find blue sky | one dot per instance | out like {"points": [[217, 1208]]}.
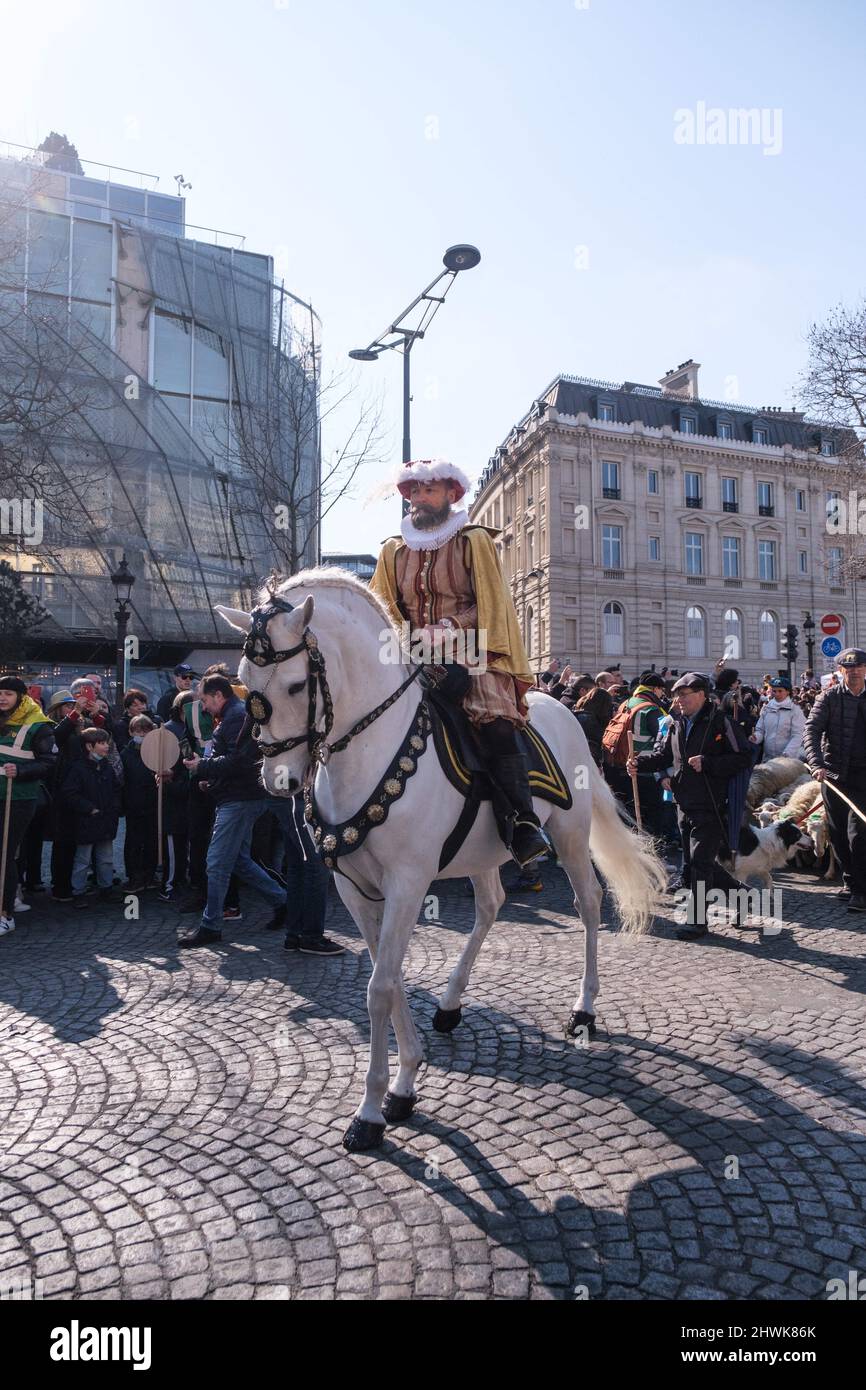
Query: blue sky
{"points": [[357, 139]]}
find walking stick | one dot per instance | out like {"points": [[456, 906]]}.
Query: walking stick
{"points": [[634, 782], [6, 814], [846, 799]]}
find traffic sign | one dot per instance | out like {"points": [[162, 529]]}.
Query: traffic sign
{"points": [[831, 623], [831, 646]]}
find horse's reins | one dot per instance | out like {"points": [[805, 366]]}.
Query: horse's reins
{"points": [[260, 650]]}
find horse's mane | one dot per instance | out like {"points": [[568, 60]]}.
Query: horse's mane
{"points": [[330, 577]]}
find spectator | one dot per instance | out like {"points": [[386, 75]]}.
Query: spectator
{"points": [[594, 710], [134, 703], [140, 850], [233, 775], [781, 724], [70, 749], [26, 759], [835, 742], [183, 679], [701, 753], [91, 791]]}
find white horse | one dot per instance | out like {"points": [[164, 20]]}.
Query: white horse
{"points": [[388, 875]]}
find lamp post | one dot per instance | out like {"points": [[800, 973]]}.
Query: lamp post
{"points": [[123, 580], [809, 628], [456, 258]]}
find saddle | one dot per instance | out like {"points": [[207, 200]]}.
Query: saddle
{"points": [[461, 760]]}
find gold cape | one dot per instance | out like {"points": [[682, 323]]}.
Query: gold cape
{"points": [[496, 615]]}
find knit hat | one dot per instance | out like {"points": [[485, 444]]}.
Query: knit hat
{"points": [[726, 680], [428, 471], [13, 683]]}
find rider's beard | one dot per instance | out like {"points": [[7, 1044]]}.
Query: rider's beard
{"points": [[426, 517]]}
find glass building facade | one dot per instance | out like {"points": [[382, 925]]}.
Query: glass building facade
{"points": [[160, 344]]}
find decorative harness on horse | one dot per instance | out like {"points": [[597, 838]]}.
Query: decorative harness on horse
{"points": [[333, 840]]}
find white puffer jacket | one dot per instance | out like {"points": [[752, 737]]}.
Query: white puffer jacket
{"points": [[780, 727]]}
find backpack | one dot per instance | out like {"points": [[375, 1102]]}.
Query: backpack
{"points": [[615, 737]]}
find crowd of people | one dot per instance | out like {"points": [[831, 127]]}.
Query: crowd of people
{"points": [[75, 778], [672, 746], [669, 745]]}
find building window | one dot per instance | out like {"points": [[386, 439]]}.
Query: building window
{"points": [[827, 448], [801, 499], [730, 495], [731, 557], [567, 540], [694, 552], [606, 412], [733, 635], [832, 508], [759, 434], [766, 506], [655, 548], [769, 636], [611, 547], [725, 429], [172, 367], [694, 495], [696, 632], [612, 630], [688, 424], [528, 628], [571, 635], [610, 479], [803, 561], [835, 558], [767, 561], [652, 481]]}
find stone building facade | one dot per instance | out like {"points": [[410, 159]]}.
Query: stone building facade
{"points": [[643, 525]]}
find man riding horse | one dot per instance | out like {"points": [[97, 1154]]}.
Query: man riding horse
{"points": [[442, 576]]}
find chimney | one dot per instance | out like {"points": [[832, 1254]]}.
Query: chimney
{"points": [[682, 380]]}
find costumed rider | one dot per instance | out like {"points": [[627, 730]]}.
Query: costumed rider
{"points": [[441, 575]]}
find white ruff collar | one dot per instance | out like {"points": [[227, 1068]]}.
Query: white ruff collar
{"points": [[435, 538]]}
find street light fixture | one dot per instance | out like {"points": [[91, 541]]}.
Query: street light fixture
{"points": [[123, 580], [456, 258]]}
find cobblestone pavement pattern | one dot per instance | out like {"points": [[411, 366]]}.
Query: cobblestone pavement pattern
{"points": [[171, 1122]]}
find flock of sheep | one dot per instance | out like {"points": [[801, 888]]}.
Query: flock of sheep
{"points": [[783, 789]]}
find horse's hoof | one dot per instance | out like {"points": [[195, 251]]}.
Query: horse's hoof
{"points": [[580, 1019], [398, 1108], [446, 1020], [363, 1135]]}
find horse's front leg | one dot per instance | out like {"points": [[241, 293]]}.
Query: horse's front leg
{"points": [[384, 996], [489, 897]]}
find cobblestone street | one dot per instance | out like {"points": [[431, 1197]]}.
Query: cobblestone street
{"points": [[171, 1121]]}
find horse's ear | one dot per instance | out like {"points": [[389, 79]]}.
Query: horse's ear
{"points": [[235, 617], [307, 611]]}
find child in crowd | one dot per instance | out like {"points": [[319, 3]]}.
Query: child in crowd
{"points": [[91, 791]]}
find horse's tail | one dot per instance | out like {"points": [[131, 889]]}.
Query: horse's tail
{"points": [[634, 873]]}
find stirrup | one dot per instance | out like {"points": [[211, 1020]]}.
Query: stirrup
{"points": [[535, 858]]}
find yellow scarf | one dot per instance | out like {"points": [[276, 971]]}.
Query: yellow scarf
{"points": [[27, 711]]}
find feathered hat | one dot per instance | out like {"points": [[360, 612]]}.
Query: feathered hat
{"points": [[427, 471]]}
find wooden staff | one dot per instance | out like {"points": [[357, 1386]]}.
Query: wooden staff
{"points": [[634, 782], [846, 799], [159, 781], [4, 856]]}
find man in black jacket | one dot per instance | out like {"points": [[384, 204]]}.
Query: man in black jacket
{"points": [[700, 754], [233, 776], [835, 744]]}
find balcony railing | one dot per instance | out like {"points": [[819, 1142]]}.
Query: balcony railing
{"points": [[730, 506], [769, 584], [612, 492], [734, 583], [696, 502], [613, 574], [695, 579], [768, 510]]}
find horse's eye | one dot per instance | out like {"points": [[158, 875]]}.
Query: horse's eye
{"points": [[296, 688]]}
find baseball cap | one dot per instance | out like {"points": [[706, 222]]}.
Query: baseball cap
{"points": [[780, 683], [183, 670]]}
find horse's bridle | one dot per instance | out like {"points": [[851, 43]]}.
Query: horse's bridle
{"points": [[260, 650]]}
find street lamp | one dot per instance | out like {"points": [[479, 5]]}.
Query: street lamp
{"points": [[123, 580], [809, 628], [456, 258]]}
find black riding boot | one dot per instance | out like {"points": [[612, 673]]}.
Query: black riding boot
{"points": [[527, 842]]}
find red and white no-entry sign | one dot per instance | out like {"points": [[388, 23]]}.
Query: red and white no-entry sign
{"points": [[831, 623]]}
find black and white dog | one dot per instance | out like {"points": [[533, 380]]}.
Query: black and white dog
{"points": [[762, 849]]}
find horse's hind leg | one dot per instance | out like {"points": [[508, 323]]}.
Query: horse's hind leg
{"points": [[489, 897], [574, 857]]}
